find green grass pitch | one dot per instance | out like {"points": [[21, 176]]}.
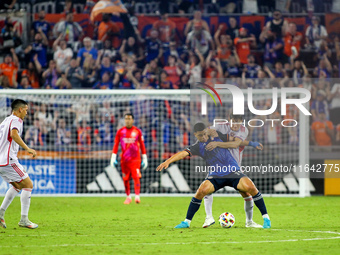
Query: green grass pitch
{"points": [[103, 225]]}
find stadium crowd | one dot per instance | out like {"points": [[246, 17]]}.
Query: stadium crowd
{"points": [[62, 57]]}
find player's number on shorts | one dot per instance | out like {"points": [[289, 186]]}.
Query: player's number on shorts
{"points": [[1, 131]]}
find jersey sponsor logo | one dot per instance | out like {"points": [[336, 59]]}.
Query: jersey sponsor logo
{"points": [[129, 140]]}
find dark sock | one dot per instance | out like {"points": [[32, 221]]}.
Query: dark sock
{"points": [[259, 202], [193, 208]]}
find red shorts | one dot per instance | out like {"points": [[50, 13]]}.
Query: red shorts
{"points": [[131, 169]]}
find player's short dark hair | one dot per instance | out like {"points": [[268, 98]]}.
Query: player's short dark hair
{"points": [[17, 103], [199, 127], [129, 114], [236, 117]]}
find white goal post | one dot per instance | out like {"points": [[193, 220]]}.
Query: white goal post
{"points": [[73, 130]]}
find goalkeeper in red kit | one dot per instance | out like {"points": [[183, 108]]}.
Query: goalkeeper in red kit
{"points": [[131, 140]]}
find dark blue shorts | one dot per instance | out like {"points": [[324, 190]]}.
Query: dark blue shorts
{"points": [[231, 180]]}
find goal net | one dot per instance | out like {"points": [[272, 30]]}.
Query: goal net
{"points": [[73, 133]]}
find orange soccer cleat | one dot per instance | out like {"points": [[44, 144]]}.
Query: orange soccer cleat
{"points": [[127, 201]]}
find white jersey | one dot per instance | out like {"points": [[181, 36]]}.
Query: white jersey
{"points": [[242, 133], [9, 148]]}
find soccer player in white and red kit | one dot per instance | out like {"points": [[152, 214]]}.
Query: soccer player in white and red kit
{"points": [[131, 141], [11, 170]]}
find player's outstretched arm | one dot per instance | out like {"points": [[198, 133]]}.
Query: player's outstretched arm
{"points": [[16, 137], [255, 145], [178, 156]]}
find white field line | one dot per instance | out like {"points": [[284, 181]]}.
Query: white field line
{"points": [[179, 243]]}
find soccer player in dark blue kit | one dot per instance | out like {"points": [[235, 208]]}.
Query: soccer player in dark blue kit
{"points": [[224, 171]]}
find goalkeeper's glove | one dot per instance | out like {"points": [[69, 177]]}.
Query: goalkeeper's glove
{"points": [[114, 162], [144, 162], [254, 144]]}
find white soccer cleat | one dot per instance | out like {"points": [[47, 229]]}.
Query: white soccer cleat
{"points": [[252, 224], [27, 224], [208, 222]]}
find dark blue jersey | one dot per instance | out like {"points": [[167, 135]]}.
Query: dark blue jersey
{"points": [[219, 161]]}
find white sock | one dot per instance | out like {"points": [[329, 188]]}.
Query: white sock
{"points": [[265, 216], [248, 208], [25, 202], [129, 196], [208, 201], [137, 197], [189, 221], [10, 195]]}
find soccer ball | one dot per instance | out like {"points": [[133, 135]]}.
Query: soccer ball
{"points": [[227, 220]]}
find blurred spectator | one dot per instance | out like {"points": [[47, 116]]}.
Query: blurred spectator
{"points": [[107, 29], [233, 69], [9, 69], [164, 82], [84, 136], [10, 34], [24, 83], [74, 74], [62, 55], [233, 28], [70, 30], [173, 71], [184, 82], [89, 70], [51, 75], [227, 6], [315, 33], [242, 45], [200, 39], [195, 66], [299, 71], [273, 47], [63, 83], [322, 131], [278, 71], [292, 41], [130, 48], [104, 65], [39, 47], [7, 4], [213, 68], [153, 47], [223, 46], [152, 71], [172, 50], [63, 135], [88, 49], [104, 82], [197, 20], [42, 24], [335, 104], [282, 5], [320, 105], [166, 28], [68, 8], [36, 134], [277, 25], [251, 69], [250, 6], [45, 117], [324, 68], [33, 72], [108, 50]]}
